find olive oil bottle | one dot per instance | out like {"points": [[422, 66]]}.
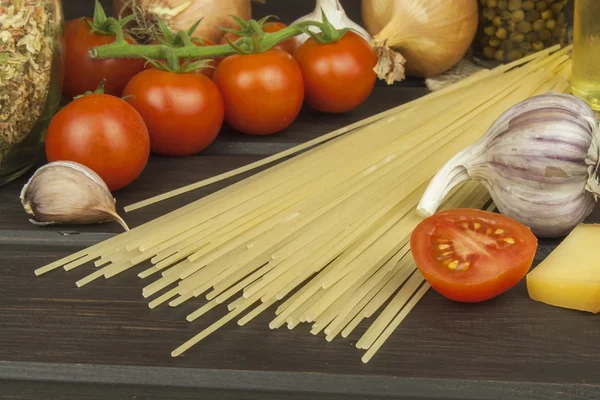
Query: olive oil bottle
{"points": [[585, 75]]}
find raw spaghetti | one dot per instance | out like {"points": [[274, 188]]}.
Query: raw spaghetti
{"points": [[324, 235]]}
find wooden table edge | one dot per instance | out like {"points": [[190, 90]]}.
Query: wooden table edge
{"points": [[291, 382]]}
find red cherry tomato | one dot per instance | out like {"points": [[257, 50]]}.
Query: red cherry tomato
{"points": [[472, 255], [263, 92], [289, 46], [183, 112], [338, 76], [209, 70], [105, 134], [84, 74]]}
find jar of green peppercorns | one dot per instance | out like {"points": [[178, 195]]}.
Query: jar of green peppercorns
{"points": [[511, 29]]}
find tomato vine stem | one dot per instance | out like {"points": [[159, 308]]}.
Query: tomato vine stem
{"points": [[176, 46], [123, 49], [103, 25]]}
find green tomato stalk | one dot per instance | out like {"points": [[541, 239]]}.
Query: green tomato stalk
{"points": [[328, 34], [176, 46], [171, 39], [99, 90], [103, 25]]}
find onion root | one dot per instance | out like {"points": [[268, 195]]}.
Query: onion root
{"points": [[390, 66]]}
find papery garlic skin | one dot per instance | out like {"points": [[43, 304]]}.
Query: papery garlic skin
{"points": [[337, 17], [538, 161], [65, 192]]}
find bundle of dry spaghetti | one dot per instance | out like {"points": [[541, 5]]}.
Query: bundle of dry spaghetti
{"points": [[324, 233]]}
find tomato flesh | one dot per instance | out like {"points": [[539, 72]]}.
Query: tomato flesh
{"points": [[472, 255]]}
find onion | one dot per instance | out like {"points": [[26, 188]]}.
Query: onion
{"points": [[432, 35], [182, 14], [377, 14]]}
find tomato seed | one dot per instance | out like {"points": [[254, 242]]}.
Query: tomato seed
{"points": [[464, 266]]}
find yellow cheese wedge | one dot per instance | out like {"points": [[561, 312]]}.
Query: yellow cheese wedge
{"points": [[570, 276]]}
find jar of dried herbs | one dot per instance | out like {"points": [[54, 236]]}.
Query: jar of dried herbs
{"points": [[31, 65], [511, 29]]}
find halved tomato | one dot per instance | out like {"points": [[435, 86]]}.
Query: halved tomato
{"points": [[472, 255]]}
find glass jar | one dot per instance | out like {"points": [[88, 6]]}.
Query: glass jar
{"points": [[511, 29], [31, 69]]}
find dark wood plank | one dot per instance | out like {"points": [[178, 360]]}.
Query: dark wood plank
{"points": [[27, 390], [511, 338], [310, 124], [161, 175], [105, 342], [181, 383]]}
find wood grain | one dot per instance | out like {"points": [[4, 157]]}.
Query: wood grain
{"points": [[102, 341], [511, 338], [166, 173], [181, 382], [161, 174], [26, 390]]}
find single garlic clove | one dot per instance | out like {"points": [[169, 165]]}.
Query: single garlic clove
{"points": [[65, 192]]}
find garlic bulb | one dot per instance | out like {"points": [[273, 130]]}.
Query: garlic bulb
{"points": [[432, 35], [182, 15], [335, 14], [539, 161], [65, 192]]}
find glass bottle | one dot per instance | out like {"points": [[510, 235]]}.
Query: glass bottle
{"points": [[585, 75], [31, 69]]}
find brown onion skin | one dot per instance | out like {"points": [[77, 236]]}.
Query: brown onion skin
{"points": [[376, 15], [431, 35], [215, 14]]}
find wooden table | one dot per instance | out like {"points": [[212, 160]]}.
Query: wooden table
{"points": [[103, 342]]}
